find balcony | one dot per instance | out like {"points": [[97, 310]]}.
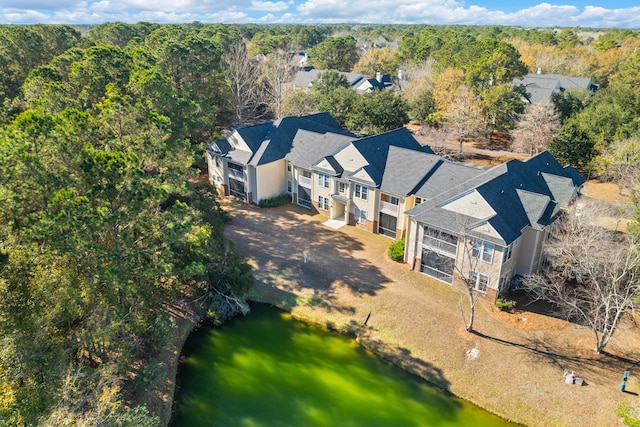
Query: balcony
{"points": [[304, 181], [388, 208], [439, 245]]}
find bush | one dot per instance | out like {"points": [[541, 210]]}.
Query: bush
{"points": [[272, 202], [506, 304], [396, 251]]}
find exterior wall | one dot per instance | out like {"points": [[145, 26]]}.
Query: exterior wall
{"points": [[271, 180], [369, 205], [466, 262], [413, 243], [530, 251], [459, 283], [216, 173], [318, 190]]}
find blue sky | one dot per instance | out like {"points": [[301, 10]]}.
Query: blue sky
{"points": [[526, 13]]}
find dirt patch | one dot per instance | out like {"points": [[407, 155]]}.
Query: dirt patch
{"points": [[512, 365], [604, 191]]}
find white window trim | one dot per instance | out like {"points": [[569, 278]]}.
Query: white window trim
{"points": [[481, 250], [360, 192], [361, 215], [323, 180], [475, 277]]}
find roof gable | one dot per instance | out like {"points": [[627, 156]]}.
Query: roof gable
{"points": [[362, 176], [471, 204]]}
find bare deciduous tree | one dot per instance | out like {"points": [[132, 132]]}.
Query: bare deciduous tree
{"points": [[247, 97], [591, 275], [537, 126], [464, 115], [276, 78]]}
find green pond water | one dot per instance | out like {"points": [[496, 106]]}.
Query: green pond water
{"points": [[268, 369]]}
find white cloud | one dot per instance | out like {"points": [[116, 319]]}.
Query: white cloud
{"points": [[269, 6], [17, 16], [312, 11], [186, 6]]}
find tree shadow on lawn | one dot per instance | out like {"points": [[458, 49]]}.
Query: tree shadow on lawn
{"points": [[568, 360], [527, 303], [292, 250]]}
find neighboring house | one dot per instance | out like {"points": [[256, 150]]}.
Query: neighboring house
{"points": [[359, 82], [492, 226], [541, 87]]}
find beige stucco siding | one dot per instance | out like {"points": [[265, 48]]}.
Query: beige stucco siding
{"points": [[216, 173], [270, 180], [529, 251]]}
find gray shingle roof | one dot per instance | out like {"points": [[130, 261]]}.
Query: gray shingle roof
{"points": [[272, 141], [541, 87], [309, 147], [517, 191], [405, 169], [445, 176], [375, 150]]}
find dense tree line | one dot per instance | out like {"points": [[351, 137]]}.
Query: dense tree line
{"points": [[102, 228]]}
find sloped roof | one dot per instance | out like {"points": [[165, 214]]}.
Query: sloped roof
{"points": [[541, 87], [375, 150], [308, 147], [272, 141], [306, 77], [517, 191], [444, 176], [405, 169], [335, 169]]}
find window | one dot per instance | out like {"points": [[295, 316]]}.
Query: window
{"points": [[342, 188], [323, 203], [507, 253], [480, 281], [289, 186], [482, 250], [323, 180], [288, 167], [504, 281], [361, 216], [361, 192], [389, 199], [216, 160]]}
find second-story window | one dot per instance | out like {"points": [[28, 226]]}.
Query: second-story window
{"points": [[323, 180], [482, 250], [360, 192]]}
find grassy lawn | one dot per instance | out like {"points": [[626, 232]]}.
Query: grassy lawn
{"points": [[512, 366]]}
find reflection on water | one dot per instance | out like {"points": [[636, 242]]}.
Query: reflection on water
{"points": [[270, 370]]}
